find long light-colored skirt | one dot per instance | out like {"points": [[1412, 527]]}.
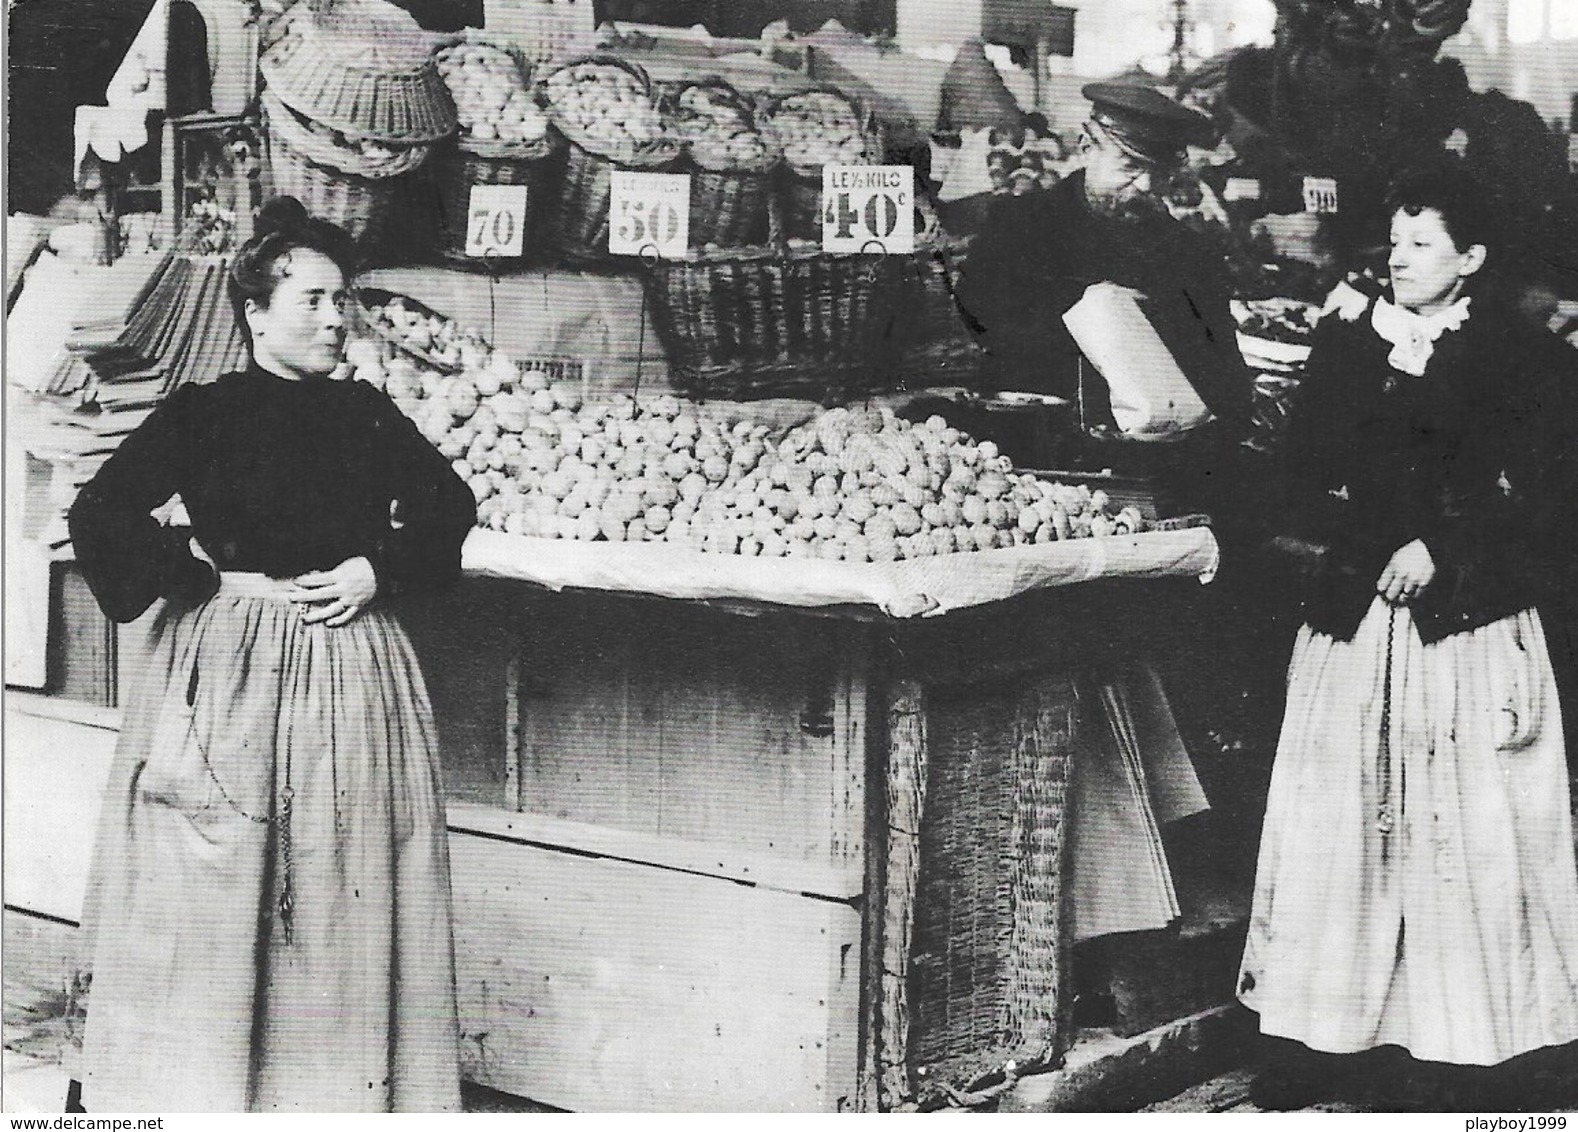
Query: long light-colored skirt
{"points": [[270, 887], [1455, 934]]}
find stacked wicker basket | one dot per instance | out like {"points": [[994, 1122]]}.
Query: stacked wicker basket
{"points": [[353, 103], [608, 112], [731, 164], [504, 139], [813, 128]]}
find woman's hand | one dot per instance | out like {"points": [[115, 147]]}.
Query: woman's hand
{"points": [[338, 596], [1407, 575]]}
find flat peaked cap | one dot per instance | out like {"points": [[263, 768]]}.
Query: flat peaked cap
{"points": [[1146, 120]]}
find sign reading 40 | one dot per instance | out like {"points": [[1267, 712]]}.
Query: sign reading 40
{"points": [[868, 208]]}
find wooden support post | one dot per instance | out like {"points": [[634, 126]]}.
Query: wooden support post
{"points": [[906, 791]]}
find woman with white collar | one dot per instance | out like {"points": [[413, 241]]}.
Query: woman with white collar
{"points": [[1416, 884]]}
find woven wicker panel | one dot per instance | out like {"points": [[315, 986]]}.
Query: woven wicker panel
{"points": [[769, 324], [358, 205], [459, 168], [987, 981], [361, 66]]}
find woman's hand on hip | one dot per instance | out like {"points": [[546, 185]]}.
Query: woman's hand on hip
{"points": [[1407, 575], [338, 596]]}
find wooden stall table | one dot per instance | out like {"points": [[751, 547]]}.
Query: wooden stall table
{"points": [[704, 810]]}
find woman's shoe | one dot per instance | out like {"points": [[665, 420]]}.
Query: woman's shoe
{"points": [[1293, 1076]]}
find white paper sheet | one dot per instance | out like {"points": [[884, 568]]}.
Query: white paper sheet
{"points": [[922, 587]]}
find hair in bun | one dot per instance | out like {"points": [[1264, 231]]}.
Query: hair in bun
{"points": [[281, 214], [282, 225]]}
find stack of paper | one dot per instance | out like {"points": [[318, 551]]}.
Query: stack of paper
{"points": [[1131, 775], [97, 375]]}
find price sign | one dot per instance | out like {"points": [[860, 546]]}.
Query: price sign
{"points": [[496, 220], [1320, 194], [649, 213], [868, 208], [1241, 188]]}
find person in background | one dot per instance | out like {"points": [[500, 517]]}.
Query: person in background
{"points": [[269, 899], [1416, 883], [1106, 222]]}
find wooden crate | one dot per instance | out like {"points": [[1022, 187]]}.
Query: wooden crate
{"points": [[681, 721], [595, 983]]}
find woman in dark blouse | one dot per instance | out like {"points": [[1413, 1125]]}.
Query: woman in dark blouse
{"points": [[270, 890], [1416, 885]]}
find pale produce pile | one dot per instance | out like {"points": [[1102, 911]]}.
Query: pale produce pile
{"points": [[855, 485], [719, 129], [491, 97], [440, 340], [818, 128], [605, 104]]}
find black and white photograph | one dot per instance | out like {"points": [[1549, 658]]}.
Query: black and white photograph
{"points": [[790, 557]]}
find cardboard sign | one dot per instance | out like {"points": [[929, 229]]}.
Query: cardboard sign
{"points": [[649, 214], [1320, 194], [1241, 188], [868, 208], [496, 220]]}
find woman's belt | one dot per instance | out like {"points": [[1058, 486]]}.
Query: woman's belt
{"points": [[245, 583]]}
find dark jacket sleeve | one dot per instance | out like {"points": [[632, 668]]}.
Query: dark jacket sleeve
{"points": [[1495, 527], [1206, 341], [127, 557], [433, 509], [1331, 558]]}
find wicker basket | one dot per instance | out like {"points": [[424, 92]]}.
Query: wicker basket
{"points": [[363, 67], [285, 123], [769, 323], [586, 190], [730, 197], [360, 205], [469, 163], [368, 297], [800, 183], [987, 965], [493, 147]]}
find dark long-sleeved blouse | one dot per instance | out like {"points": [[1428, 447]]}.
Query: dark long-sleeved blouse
{"points": [[279, 477], [1472, 459]]}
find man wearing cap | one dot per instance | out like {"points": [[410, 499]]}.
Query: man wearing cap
{"points": [[1037, 253]]}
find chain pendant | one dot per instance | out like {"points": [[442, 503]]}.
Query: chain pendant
{"points": [[287, 895]]}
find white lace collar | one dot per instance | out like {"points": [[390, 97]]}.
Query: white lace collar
{"points": [[1413, 336]]}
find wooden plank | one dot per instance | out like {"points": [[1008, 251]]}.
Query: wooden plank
{"points": [[598, 985], [908, 754], [82, 661], [684, 722], [55, 771], [833, 881]]}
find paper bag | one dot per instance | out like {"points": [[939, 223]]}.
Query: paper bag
{"points": [[1151, 397]]}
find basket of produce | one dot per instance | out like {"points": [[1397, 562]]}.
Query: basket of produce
{"points": [[731, 164], [504, 137], [416, 330], [813, 128], [305, 164], [770, 322], [362, 67], [607, 110], [935, 345]]}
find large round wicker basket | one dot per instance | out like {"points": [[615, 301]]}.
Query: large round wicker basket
{"points": [[363, 67], [586, 189]]}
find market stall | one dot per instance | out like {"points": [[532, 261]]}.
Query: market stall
{"points": [[758, 716]]}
